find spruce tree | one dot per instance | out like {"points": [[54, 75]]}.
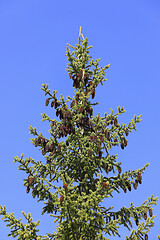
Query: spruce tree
{"points": [[78, 157]]}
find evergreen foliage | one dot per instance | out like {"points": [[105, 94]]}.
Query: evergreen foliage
{"points": [[78, 156]]}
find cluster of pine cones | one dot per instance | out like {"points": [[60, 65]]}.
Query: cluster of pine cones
{"points": [[79, 77], [83, 77], [138, 180], [47, 148]]}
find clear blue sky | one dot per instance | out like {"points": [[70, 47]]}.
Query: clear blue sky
{"points": [[33, 42]]}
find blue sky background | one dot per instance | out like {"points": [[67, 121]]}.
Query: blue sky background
{"points": [[33, 42]]}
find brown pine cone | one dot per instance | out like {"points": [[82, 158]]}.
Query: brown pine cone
{"points": [[47, 101], [146, 236], [145, 216], [150, 212], [65, 186], [61, 199], [105, 185], [116, 122], [30, 180]]}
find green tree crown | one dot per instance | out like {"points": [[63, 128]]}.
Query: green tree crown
{"points": [[78, 155]]}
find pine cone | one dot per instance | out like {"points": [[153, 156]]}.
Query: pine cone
{"points": [[105, 185], [125, 190], [30, 180], [107, 135], [61, 199], [126, 131], [119, 169], [72, 103], [61, 115], [51, 147], [106, 166], [91, 111], [39, 140], [65, 186], [135, 185], [93, 93], [77, 97], [145, 216], [139, 178], [125, 143], [47, 101], [36, 143], [86, 77], [52, 103], [57, 112], [116, 122], [146, 236], [70, 75], [43, 142], [122, 145], [150, 212], [59, 148]]}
